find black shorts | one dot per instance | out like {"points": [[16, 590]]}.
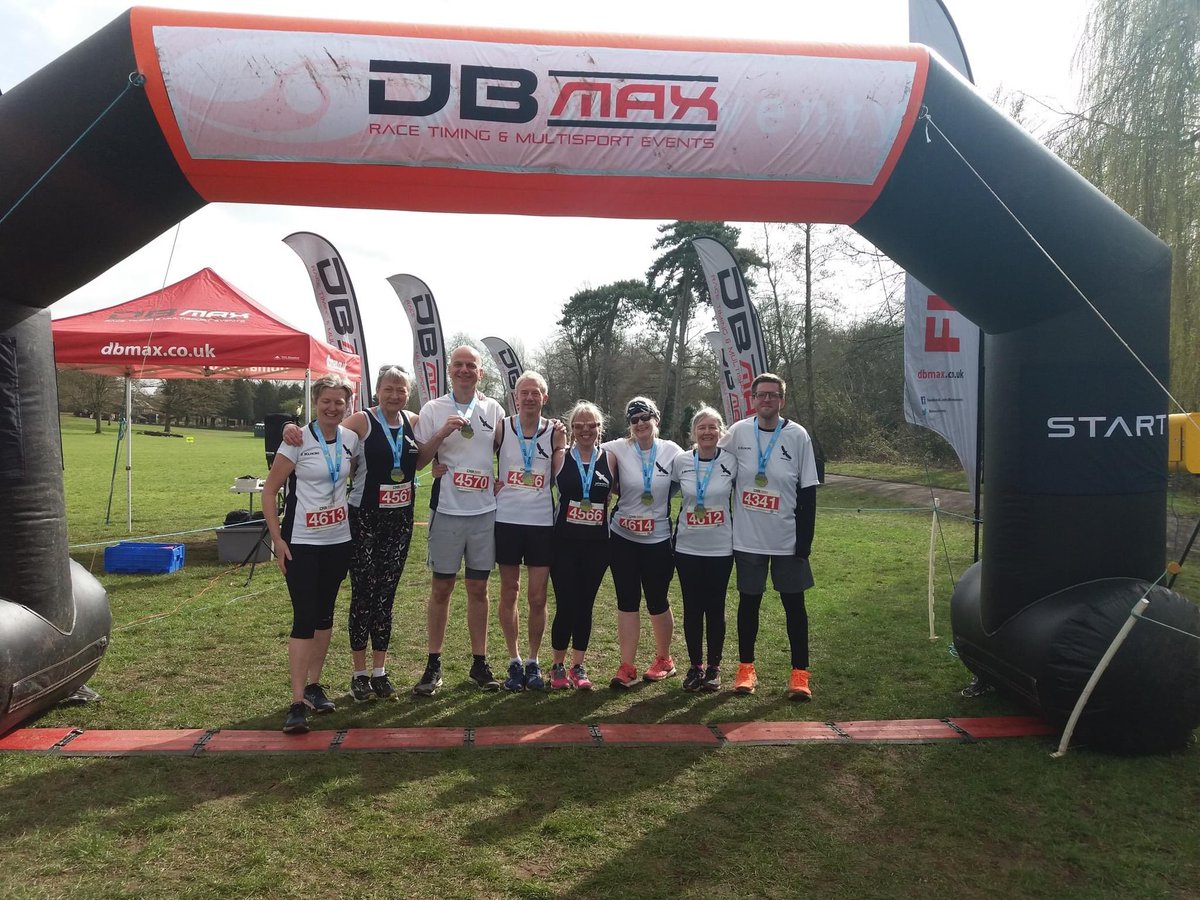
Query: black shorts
{"points": [[529, 545]]}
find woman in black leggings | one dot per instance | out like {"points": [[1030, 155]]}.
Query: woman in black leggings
{"points": [[580, 543], [704, 545]]}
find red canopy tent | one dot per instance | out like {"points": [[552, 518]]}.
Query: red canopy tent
{"points": [[200, 327]]}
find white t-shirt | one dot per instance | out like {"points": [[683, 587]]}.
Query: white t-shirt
{"points": [[710, 534], [519, 503], [764, 516], [467, 488], [315, 510], [630, 518]]}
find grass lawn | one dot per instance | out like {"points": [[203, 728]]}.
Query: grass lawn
{"points": [[200, 648]]}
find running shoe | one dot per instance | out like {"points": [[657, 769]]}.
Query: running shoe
{"points": [[360, 688], [430, 681], [579, 677], [515, 681], [481, 674], [693, 679], [746, 680], [558, 677], [662, 667], [297, 719], [533, 677], [798, 688], [712, 679], [314, 696], [626, 677], [382, 686]]}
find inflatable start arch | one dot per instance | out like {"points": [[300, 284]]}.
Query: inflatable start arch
{"points": [[261, 110]]}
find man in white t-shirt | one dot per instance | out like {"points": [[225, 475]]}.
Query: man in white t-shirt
{"points": [[774, 514], [462, 427]]}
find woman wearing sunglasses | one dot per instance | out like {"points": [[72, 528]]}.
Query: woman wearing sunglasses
{"points": [[640, 540], [580, 557]]}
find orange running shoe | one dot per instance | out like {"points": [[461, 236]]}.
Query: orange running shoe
{"points": [[662, 667], [625, 678], [798, 688], [746, 680]]}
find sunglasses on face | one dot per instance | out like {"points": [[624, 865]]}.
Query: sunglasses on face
{"points": [[585, 426], [638, 420]]}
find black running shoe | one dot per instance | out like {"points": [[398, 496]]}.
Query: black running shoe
{"points": [[360, 689], [481, 674], [712, 679], [430, 681], [694, 679], [382, 686], [315, 697], [297, 719]]}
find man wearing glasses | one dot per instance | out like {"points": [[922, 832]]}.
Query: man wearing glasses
{"points": [[774, 513]]}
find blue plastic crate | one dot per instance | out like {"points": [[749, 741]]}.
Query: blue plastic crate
{"points": [[131, 557]]}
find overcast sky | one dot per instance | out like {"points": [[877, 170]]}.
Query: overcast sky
{"points": [[479, 267]]}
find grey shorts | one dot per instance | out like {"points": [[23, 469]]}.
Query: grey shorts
{"points": [[789, 574], [455, 538]]}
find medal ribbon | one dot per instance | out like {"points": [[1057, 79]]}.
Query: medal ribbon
{"points": [[764, 458], [586, 474], [527, 450], [647, 467], [394, 443], [335, 469], [702, 485], [469, 411]]}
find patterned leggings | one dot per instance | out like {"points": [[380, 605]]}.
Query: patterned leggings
{"points": [[381, 538]]}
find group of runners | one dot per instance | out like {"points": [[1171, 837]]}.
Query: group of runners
{"points": [[544, 495]]}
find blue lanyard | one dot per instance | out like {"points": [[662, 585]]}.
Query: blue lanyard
{"points": [[469, 411], [335, 469], [647, 467], [764, 458], [527, 449], [586, 474], [702, 486], [394, 443]]}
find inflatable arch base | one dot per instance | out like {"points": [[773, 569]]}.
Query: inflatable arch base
{"points": [[1148, 699], [54, 616]]}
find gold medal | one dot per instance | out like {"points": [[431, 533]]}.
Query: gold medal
{"points": [[699, 511], [647, 498], [585, 504], [527, 478], [761, 479], [397, 476], [467, 431]]}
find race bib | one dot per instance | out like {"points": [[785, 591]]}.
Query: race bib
{"points": [[636, 524], [326, 517], [712, 518], [516, 479], [472, 480], [761, 500], [580, 516], [395, 496]]}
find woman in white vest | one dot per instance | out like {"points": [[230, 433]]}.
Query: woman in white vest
{"points": [[704, 545]]}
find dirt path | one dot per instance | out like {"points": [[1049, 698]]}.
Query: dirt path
{"points": [[1179, 527]]}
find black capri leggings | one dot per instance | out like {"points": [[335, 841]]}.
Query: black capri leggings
{"points": [[381, 538], [639, 569], [704, 580], [314, 574], [576, 573]]}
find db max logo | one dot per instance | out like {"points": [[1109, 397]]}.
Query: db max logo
{"points": [[641, 100]]}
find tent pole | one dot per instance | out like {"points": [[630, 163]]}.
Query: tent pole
{"points": [[129, 453], [308, 395]]}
